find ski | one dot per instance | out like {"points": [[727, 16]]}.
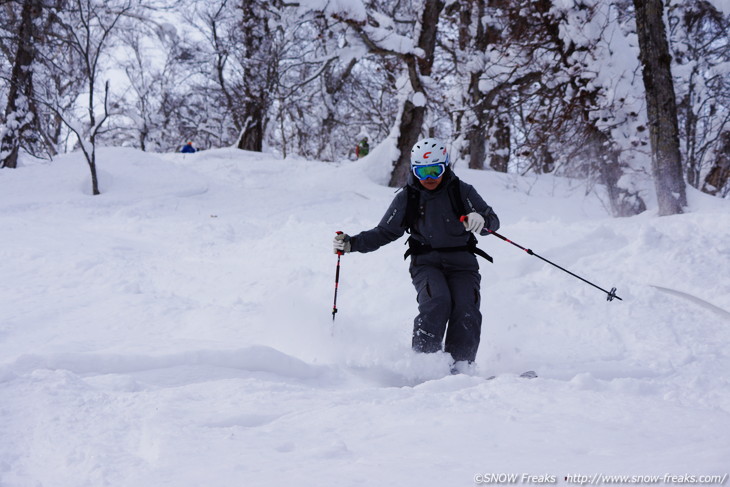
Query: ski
{"points": [[530, 374]]}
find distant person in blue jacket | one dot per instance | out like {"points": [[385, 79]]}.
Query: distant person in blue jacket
{"points": [[188, 148]]}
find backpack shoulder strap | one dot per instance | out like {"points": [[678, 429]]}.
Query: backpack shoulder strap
{"points": [[457, 203], [412, 202]]}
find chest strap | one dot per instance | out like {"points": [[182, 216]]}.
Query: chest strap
{"points": [[417, 248]]}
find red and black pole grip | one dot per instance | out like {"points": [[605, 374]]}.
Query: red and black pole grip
{"points": [[339, 252]]}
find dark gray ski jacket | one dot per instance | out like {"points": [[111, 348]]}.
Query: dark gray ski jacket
{"points": [[437, 224]]}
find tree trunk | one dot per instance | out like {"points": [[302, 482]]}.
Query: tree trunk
{"points": [[477, 137], [411, 120], [252, 133], [474, 38], [661, 106], [717, 179], [94, 179], [261, 70], [500, 145], [621, 201], [409, 131], [19, 115]]}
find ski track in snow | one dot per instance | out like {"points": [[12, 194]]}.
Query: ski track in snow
{"points": [[177, 330], [696, 300]]}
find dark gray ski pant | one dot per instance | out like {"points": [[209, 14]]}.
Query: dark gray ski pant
{"points": [[447, 284]]}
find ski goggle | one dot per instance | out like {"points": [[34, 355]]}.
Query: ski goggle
{"points": [[432, 171]]}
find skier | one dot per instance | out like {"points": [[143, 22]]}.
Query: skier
{"points": [[188, 148], [362, 149], [443, 266]]}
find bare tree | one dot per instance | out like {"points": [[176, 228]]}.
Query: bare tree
{"points": [[700, 47], [87, 27], [483, 122], [153, 107], [326, 97], [245, 62], [379, 34], [414, 108], [661, 106], [260, 64], [20, 116]]}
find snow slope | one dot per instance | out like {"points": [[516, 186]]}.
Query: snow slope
{"points": [[177, 330]]}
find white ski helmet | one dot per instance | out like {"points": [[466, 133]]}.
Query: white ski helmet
{"points": [[429, 151]]}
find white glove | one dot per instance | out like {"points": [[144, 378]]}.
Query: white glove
{"points": [[341, 243], [474, 223]]}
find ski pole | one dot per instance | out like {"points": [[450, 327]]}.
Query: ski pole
{"points": [[610, 294], [337, 282]]}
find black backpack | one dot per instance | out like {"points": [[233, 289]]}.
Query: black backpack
{"points": [[413, 198]]}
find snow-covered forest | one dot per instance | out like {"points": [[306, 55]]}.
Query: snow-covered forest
{"points": [[518, 86]]}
